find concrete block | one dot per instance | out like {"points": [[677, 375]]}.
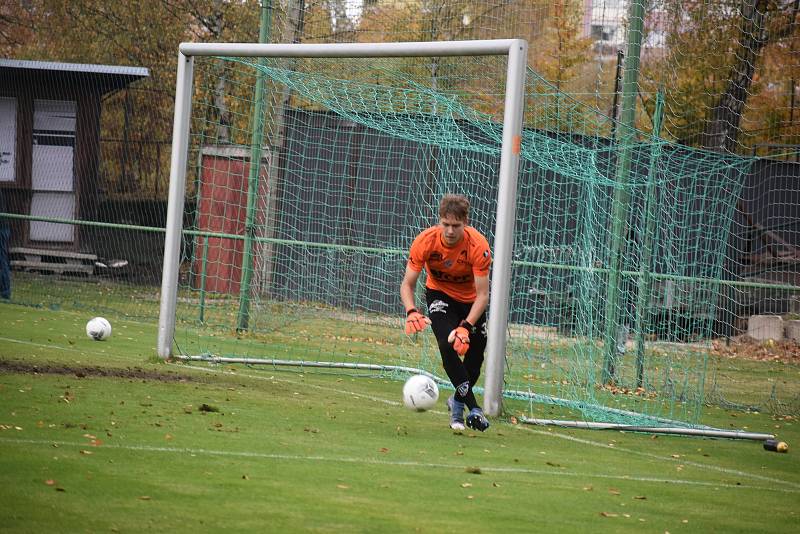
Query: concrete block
{"points": [[763, 327], [792, 330]]}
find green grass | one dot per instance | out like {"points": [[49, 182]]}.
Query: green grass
{"points": [[289, 451], [677, 378]]}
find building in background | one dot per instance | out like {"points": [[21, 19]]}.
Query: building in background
{"points": [[49, 146]]}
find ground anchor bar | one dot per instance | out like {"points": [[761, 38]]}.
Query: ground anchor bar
{"points": [[705, 432]]}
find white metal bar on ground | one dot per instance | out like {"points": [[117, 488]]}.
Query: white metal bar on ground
{"points": [[705, 432], [309, 363], [493, 47]]}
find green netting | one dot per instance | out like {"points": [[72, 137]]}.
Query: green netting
{"points": [[352, 169]]}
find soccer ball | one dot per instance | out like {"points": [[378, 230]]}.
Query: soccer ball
{"points": [[420, 393], [98, 328]]}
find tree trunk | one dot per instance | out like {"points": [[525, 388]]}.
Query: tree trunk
{"points": [[723, 128]]}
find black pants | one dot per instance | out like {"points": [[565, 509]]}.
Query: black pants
{"points": [[445, 313]]}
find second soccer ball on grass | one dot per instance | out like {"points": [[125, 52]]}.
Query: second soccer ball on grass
{"points": [[420, 393], [98, 328]]}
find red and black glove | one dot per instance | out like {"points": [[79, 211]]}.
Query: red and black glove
{"points": [[415, 321], [460, 338]]}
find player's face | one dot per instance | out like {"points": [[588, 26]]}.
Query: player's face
{"points": [[452, 230]]}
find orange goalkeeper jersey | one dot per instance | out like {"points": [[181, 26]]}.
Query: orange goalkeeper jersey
{"points": [[451, 270]]}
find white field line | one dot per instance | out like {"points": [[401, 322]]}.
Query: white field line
{"points": [[559, 435], [390, 463], [680, 461], [42, 345]]}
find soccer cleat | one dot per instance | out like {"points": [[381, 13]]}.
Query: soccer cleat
{"points": [[456, 410], [476, 420]]}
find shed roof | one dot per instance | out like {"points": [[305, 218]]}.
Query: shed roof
{"points": [[139, 72], [105, 77]]}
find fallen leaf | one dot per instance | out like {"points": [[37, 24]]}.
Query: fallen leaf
{"points": [[588, 488], [473, 470], [144, 498], [640, 497], [613, 491], [608, 514], [466, 485], [245, 477], [50, 482], [383, 449], [86, 452], [342, 486]]}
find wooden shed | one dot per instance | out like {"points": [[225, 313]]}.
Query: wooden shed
{"points": [[50, 149]]}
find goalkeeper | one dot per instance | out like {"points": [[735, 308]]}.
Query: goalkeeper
{"points": [[456, 258]]}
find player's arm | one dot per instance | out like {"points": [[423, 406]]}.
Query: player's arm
{"points": [[415, 321], [459, 337], [481, 300]]}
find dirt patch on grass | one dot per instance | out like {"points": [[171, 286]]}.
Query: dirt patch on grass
{"points": [[747, 348], [134, 373]]}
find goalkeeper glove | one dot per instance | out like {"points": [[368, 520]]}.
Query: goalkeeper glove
{"points": [[460, 338], [415, 321]]}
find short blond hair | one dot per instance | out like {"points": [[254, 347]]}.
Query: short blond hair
{"points": [[454, 205]]}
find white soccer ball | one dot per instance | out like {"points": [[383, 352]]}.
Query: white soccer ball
{"points": [[98, 328], [420, 393]]}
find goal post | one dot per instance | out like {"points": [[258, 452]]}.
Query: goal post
{"points": [[516, 52]]}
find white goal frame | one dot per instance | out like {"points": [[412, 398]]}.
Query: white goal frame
{"points": [[515, 49]]}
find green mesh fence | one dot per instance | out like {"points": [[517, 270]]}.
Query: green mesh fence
{"points": [[351, 170]]}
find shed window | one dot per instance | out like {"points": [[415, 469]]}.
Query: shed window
{"points": [[8, 139]]}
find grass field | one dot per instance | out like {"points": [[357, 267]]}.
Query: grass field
{"points": [[102, 437]]}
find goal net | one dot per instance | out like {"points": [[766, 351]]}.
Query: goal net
{"points": [[615, 255]]}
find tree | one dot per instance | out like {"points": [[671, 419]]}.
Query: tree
{"points": [[718, 62], [762, 22], [144, 33]]}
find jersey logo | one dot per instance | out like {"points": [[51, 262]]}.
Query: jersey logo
{"points": [[438, 306], [448, 263], [444, 277], [435, 256], [485, 253]]}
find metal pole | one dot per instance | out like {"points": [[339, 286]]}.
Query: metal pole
{"points": [[645, 267], [256, 142], [615, 103], [203, 273], [626, 137], [705, 432], [177, 190], [495, 47], [504, 231]]}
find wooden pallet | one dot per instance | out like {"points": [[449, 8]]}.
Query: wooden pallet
{"points": [[55, 261]]}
